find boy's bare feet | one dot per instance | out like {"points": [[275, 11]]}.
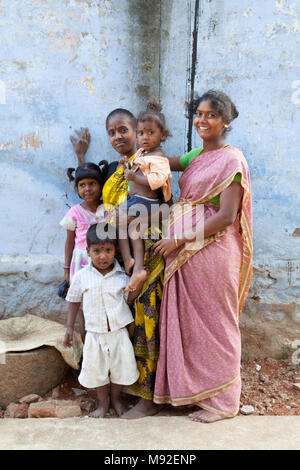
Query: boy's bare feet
{"points": [[142, 409], [136, 278], [102, 409]]}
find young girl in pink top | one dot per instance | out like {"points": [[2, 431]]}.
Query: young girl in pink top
{"points": [[89, 181], [148, 176]]}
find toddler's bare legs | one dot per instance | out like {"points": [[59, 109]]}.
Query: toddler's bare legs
{"points": [[103, 397], [139, 273], [126, 254], [135, 263], [122, 221]]}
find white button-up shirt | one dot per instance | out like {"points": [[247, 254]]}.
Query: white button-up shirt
{"points": [[103, 298]]}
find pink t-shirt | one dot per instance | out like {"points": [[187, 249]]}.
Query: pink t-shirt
{"points": [[79, 220]]}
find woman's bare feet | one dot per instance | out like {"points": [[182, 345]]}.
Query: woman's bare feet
{"points": [[142, 409], [204, 416], [119, 407], [102, 409], [138, 276]]}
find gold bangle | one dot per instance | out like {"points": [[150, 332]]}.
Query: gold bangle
{"points": [[176, 240]]}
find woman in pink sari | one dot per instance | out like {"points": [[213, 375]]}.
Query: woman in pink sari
{"points": [[208, 271]]}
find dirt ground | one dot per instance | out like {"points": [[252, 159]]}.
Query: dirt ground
{"points": [[269, 390], [267, 385]]}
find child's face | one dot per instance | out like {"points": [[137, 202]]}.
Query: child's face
{"points": [[122, 134], [149, 135], [89, 190], [102, 255]]}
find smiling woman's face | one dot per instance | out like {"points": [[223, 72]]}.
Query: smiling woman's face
{"points": [[122, 134], [208, 122]]}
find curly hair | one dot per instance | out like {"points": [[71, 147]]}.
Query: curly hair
{"points": [[220, 103]]}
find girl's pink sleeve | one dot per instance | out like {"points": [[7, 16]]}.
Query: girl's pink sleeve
{"points": [[69, 220]]}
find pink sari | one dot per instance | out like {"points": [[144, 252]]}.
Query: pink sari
{"points": [[204, 292]]}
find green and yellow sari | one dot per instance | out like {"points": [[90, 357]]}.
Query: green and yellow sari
{"points": [[144, 330]]}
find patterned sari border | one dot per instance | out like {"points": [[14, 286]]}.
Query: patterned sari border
{"points": [[195, 398], [224, 414]]}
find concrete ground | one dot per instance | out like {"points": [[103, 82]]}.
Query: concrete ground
{"points": [[153, 433]]}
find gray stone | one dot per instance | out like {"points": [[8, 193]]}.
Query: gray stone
{"points": [[79, 392], [247, 410]]}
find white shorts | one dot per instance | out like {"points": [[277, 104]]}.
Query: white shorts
{"points": [[108, 357]]}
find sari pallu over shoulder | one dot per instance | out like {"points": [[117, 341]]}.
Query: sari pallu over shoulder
{"points": [[207, 176]]}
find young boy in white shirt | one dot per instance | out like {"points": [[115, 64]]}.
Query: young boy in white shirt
{"points": [[108, 355]]}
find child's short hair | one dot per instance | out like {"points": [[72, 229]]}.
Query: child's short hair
{"points": [[153, 114], [89, 170], [101, 233]]}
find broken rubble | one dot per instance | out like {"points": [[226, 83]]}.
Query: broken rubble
{"points": [[16, 410], [54, 409], [263, 378], [55, 393], [87, 405], [32, 398], [79, 392]]}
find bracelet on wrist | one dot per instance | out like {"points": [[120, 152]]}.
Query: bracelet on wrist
{"points": [[66, 267], [176, 240]]}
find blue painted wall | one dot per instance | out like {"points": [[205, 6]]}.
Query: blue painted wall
{"points": [[67, 63]]}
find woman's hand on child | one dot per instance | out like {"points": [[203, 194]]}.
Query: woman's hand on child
{"points": [[165, 246], [82, 144], [68, 340]]}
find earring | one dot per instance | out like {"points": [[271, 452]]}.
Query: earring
{"points": [[225, 126]]}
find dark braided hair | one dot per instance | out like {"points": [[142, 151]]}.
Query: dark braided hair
{"points": [[220, 103], [89, 170]]}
